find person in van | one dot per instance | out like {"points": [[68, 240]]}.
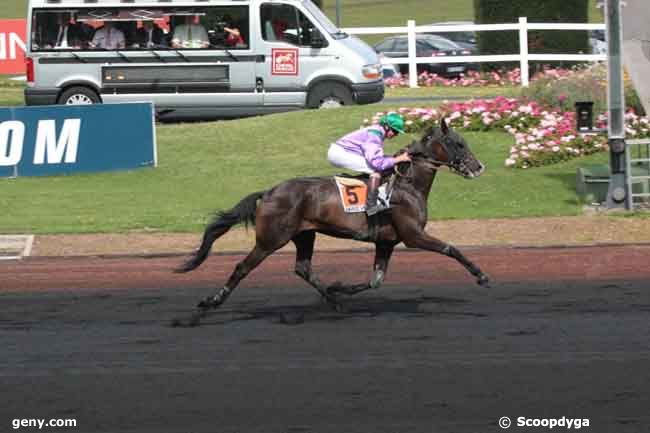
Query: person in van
{"points": [[150, 36], [233, 34], [190, 35], [66, 33], [109, 37], [363, 151], [273, 28]]}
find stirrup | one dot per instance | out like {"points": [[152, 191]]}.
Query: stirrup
{"points": [[373, 210]]}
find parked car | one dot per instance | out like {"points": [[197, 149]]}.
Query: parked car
{"points": [[466, 39], [388, 70], [427, 46], [597, 42]]}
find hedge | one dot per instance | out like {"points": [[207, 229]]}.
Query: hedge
{"points": [[539, 42]]}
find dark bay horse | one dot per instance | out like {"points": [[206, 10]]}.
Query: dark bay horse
{"points": [[297, 209]]}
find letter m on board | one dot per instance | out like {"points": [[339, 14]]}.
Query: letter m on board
{"points": [[63, 149]]}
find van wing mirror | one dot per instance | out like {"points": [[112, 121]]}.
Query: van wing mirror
{"points": [[317, 39]]}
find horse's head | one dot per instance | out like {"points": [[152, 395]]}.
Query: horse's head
{"points": [[443, 146]]}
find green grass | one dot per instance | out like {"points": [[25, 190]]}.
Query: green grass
{"points": [[453, 92], [13, 8], [11, 92], [210, 166]]}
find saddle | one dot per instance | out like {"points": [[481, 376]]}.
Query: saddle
{"points": [[353, 192]]}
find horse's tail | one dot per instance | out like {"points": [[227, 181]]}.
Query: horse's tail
{"points": [[244, 212]]}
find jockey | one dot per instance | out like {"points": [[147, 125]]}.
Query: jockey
{"points": [[363, 151]]}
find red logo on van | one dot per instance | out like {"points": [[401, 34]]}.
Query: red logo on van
{"points": [[284, 61]]}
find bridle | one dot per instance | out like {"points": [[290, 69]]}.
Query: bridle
{"points": [[455, 163]]}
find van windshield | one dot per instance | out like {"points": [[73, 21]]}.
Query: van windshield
{"points": [[322, 19]]}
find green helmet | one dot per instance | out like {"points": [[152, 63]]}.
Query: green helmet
{"points": [[394, 121]]}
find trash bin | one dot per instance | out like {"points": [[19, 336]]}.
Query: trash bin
{"points": [[592, 181]]}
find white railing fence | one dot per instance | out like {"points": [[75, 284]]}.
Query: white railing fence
{"points": [[524, 57]]}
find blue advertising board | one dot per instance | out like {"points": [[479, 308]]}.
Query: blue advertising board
{"points": [[60, 139]]}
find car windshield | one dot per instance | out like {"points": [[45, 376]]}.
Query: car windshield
{"points": [[467, 37], [439, 43]]}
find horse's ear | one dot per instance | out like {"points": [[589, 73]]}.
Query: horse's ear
{"points": [[443, 126]]}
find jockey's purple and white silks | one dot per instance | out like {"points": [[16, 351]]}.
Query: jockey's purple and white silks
{"points": [[340, 157], [369, 144]]}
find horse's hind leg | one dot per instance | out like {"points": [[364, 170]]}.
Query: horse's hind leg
{"points": [[383, 253], [243, 268], [304, 242]]}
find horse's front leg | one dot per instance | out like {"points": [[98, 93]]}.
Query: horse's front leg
{"points": [[383, 253], [424, 241]]}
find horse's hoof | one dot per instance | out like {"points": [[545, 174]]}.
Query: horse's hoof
{"points": [[335, 287], [483, 281], [203, 305], [208, 304], [332, 301]]}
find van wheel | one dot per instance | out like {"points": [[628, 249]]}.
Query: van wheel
{"points": [[329, 95], [79, 96]]}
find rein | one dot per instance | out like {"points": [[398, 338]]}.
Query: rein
{"points": [[430, 163], [433, 164]]}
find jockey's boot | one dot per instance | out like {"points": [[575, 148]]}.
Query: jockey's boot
{"points": [[372, 208], [373, 194]]}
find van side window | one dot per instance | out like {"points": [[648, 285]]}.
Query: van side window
{"points": [[285, 23], [217, 27], [60, 30], [228, 27], [141, 29]]}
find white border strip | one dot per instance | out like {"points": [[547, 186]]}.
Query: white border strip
{"points": [[28, 241]]}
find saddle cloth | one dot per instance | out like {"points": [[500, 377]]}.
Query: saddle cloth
{"points": [[354, 192]]}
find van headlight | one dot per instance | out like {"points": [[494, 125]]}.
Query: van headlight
{"points": [[372, 72]]}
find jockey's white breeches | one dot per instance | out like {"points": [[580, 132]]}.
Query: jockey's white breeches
{"points": [[340, 157]]}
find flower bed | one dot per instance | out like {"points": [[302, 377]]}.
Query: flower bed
{"points": [[475, 78], [542, 135]]}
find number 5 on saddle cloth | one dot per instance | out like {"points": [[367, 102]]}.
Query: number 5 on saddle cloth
{"points": [[354, 192]]}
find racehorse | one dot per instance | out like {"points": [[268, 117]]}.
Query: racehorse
{"points": [[297, 209]]}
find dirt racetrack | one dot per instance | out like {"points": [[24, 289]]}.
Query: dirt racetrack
{"points": [[502, 264], [563, 332]]}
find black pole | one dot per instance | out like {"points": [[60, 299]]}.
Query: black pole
{"points": [[338, 13], [617, 196]]}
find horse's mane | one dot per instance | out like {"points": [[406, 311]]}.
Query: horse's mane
{"points": [[416, 147]]}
